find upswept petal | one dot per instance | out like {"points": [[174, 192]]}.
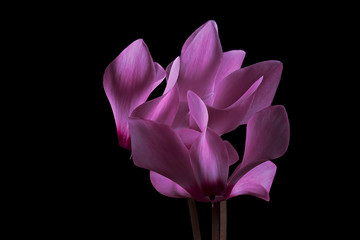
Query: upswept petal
{"points": [[267, 138], [226, 120], [193, 35], [128, 81], [167, 187], [209, 159], [198, 110], [230, 62], [199, 62], [161, 109], [172, 74], [157, 147], [232, 153], [256, 182], [159, 75]]}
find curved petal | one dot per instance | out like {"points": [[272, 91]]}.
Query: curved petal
{"points": [[167, 187], [267, 137], [257, 182], [230, 62], [226, 120], [199, 62], [162, 109], [173, 73], [158, 148], [159, 75], [193, 35], [128, 81], [198, 110], [209, 159], [187, 135], [232, 153]]}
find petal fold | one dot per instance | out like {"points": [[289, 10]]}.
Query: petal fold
{"points": [[257, 182], [167, 187], [198, 110]]}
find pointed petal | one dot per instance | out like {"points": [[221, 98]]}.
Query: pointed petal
{"points": [[162, 109], [167, 187], [193, 35], [226, 120], [209, 159], [128, 81], [156, 147], [232, 153], [198, 110], [267, 137], [230, 62], [257, 182], [159, 75], [172, 75], [199, 62]]}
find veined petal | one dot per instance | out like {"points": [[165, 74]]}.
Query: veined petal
{"points": [[225, 120], [199, 61], [158, 148], [162, 109], [267, 138], [209, 159], [159, 75], [173, 73], [128, 81], [198, 110], [230, 62], [167, 187], [257, 182]]}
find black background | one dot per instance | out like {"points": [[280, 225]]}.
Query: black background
{"points": [[81, 183]]}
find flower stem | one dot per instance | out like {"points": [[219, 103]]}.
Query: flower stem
{"points": [[215, 221], [223, 220], [194, 219]]}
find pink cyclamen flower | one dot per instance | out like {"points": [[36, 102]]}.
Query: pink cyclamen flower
{"points": [[128, 82], [199, 167]]}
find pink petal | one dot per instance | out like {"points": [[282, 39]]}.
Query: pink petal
{"points": [[167, 187], [162, 109], [209, 159], [267, 137], [128, 81], [257, 182], [230, 62], [182, 117], [232, 153], [199, 61], [159, 75], [194, 34], [158, 148], [198, 110], [173, 73], [187, 135], [228, 119]]}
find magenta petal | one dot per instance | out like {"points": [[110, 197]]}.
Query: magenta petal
{"points": [[162, 109], [128, 81], [167, 187], [172, 75], [198, 110], [199, 62], [228, 119], [232, 153], [158, 148], [188, 136], [209, 159], [159, 75], [267, 137], [257, 182]]}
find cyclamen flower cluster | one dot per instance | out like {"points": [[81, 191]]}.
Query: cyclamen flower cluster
{"points": [[177, 136]]}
